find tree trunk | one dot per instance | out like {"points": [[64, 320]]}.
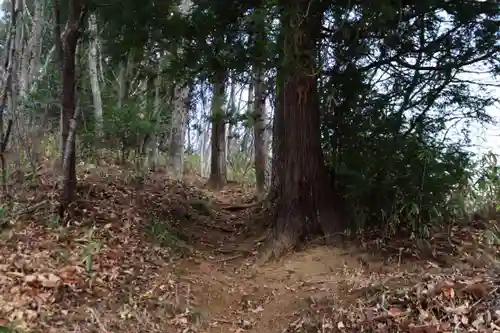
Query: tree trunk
{"points": [[218, 166], [36, 40], [180, 115], [205, 152], [305, 204], [204, 138], [18, 125], [31, 53], [94, 78], [69, 104], [124, 70], [178, 130], [258, 111], [69, 45], [231, 110], [260, 155], [7, 90], [153, 151], [30, 69]]}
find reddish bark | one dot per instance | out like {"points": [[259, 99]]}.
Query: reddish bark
{"points": [[305, 201]]}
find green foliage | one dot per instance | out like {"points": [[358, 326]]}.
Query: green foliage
{"points": [[483, 192], [385, 121], [7, 329], [192, 163], [240, 169], [389, 85], [400, 181]]}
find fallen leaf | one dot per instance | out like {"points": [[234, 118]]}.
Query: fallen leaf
{"points": [[51, 281], [395, 312], [258, 309], [449, 292]]}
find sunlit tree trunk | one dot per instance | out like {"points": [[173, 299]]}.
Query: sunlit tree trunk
{"points": [[94, 77], [305, 203], [259, 111], [178, 129], [180, 114], [205, 161], [204, 138]]}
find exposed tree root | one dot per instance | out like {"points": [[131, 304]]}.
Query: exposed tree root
{"points": [[215, 183], [282, 242]]}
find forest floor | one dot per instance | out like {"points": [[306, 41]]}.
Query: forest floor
{"points": [[163, 256]]}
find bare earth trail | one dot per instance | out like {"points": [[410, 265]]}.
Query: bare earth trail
{"points": [[163, 256], [300, 291], [237, 295]]}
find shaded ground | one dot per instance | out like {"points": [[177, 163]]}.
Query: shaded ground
{"points": [[160, 256]]}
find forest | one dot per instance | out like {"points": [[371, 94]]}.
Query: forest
{"points": [[249, 166]]}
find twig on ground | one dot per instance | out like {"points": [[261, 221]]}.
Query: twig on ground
{"points": [[236, 256], [97, 320]]}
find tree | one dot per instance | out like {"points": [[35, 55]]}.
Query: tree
{"points": [[218, 177], [353, 83], [68, 45], [180, 114], [304, 204], [259, 103]]}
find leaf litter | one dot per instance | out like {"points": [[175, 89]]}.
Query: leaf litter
{"points": [[168, 256]]}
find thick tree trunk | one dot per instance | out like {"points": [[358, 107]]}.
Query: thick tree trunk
{"points": [[218, 176], [304, 204]]}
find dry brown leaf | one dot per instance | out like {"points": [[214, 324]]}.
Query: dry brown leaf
{"points": [[30, 279], [50, 281]]}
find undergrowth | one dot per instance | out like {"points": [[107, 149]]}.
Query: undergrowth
{"points": [[161, 233]]}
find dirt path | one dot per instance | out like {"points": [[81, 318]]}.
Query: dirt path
{"points": [[236, 295], [174, 257]]}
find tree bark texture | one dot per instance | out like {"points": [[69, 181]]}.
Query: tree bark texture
{"points": [[178, 130], [68, 110], [260, 154], [218, 176], [304, 203], [68, 99]]}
